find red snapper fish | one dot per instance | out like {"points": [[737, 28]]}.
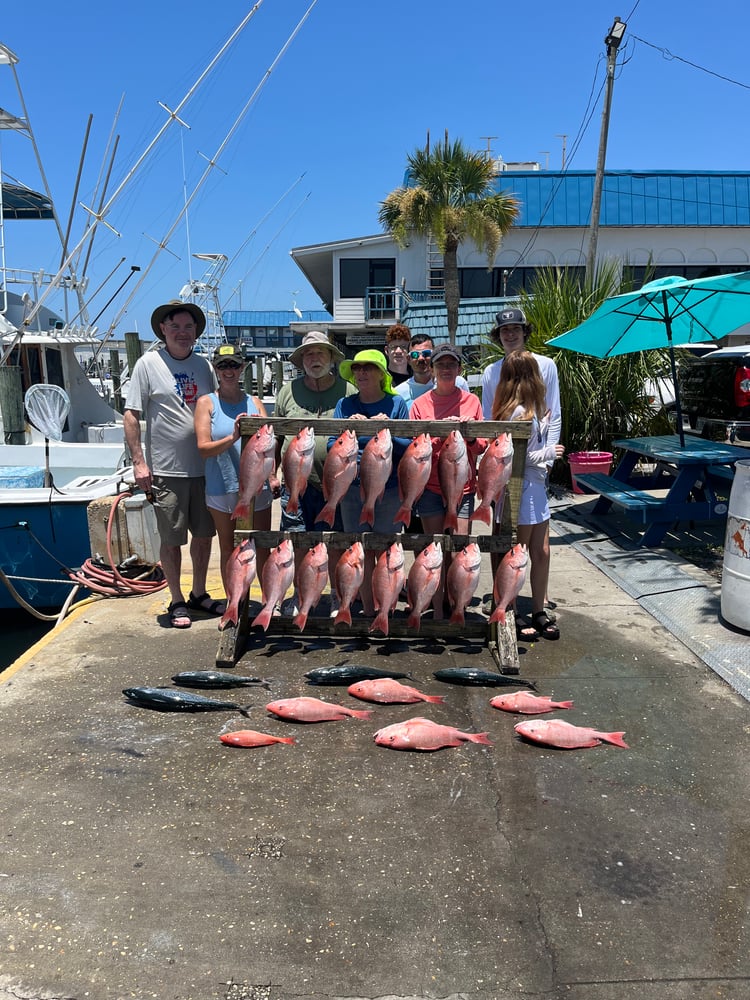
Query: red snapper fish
{"points": [[348, 577], [526, 703], [423, 581], [388, 691], [388, 580], [312, 577], [493, 475], [251, 738], [276, 579], [413, 473], [257, 462], [314, 710], [509, 579], [374, 469], [564, 736], [422, 734], [339, 472], [240, 573], [462, 580], [296, 465], [454, 472]]}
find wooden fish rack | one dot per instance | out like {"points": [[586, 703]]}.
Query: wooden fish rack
{"points": [[501, 639]]}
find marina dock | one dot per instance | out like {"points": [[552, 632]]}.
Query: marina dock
{"points": [[143, 858]]}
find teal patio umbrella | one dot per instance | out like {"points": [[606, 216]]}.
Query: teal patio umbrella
{"points": [[663, 313]]}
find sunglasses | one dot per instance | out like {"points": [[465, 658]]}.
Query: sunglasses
{"points": [[362, 367], [420, 354], [222, 366]]}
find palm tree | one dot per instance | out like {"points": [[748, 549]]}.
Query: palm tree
{"points": [[452, 198]]}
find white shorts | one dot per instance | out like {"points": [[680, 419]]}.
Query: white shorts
{"points": [[226, 502]]}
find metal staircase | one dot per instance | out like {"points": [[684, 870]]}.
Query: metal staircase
{"points": [[435, 267], [205, 293]]}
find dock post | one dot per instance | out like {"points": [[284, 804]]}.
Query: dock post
{"points": [[11, 405]]}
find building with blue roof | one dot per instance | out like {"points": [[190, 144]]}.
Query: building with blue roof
{"points": [[660, 222]]}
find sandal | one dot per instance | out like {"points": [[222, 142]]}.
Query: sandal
{"points": [[525, 633], [206, 604], [178, 615], [545, 626]]}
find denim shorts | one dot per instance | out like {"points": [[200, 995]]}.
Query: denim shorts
{"points": [[431, 503], [306, 519], [385, 511]]}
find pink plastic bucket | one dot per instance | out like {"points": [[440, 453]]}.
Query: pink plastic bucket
{"points": [[589, 461]]}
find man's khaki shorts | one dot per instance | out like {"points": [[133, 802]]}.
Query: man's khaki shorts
{"points": [[180, 506]]}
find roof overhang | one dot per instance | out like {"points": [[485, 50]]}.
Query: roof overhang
{"points": [[316, 261]]}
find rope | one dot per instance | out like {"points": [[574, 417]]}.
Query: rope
{"points": [[108, 580]]}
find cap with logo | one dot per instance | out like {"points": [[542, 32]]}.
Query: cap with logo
{"points": [[445, 351], [511, 317]]}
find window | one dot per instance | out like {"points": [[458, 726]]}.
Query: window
{"points": [[357, 274]]}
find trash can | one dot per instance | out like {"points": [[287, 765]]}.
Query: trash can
{"points": [[735, 577], [589, 461]]}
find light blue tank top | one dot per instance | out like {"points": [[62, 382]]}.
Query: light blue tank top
{"points": [[223, 471]]}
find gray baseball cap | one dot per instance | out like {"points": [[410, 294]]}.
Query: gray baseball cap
{"points": [[511, 317]]}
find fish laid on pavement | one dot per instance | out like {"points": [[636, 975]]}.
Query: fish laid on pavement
{"points": [[314, 710], [422, 734], [339, 472], [312, 576], [423, 580], [296, 466], [453, 474], [375, 468], [217, 679], [251, 738], [509, 580], [413, 473], [257, 462], [480, 678], [276, 579], [526, 703], [388, 580], [347, 578], [462, 580], [388, 691], [493, 476], [169, 700], [240, 573], [564, 735], [348, 673]]}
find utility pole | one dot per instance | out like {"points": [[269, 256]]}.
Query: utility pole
{"points": [[564, 138], [612, 41]]}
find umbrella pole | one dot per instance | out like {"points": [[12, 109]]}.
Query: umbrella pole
{"points": [[677, 403]]}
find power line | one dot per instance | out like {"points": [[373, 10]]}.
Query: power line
{"points": [[670, 56]]}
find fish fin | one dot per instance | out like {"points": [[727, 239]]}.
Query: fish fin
{"points": [[363, 713], [615, 738], [285, 739], [451, 521], [498, 615], [529, 684], [403, 516], [292, 506], [482, 514], [457, 618], [481, 738], [367, 516], [300, 620], [263, 618], [569, 704], [245, 710], [344, 616], [380, 623], [327, 515], [241, 510], [434, 699]]}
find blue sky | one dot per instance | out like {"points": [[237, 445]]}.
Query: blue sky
{"points": [[358, 88]]}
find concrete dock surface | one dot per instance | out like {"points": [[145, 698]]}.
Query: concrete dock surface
{"points": [[143, 858]]}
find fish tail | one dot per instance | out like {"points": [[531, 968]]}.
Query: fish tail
{"points": [[457, 618], [241, 510], [263, 618], [380, 623], [498, 615], [415, 620], [327, 515], [451, 521], [245, 710], [367, 516], [285, 739], [403, 516], [481, 738], [615, 738], [300, 620], [568, 704], [363, 713], [228, 619], [292, 506], [482, 514], [344, 616], [434, 699], [529, 684]]}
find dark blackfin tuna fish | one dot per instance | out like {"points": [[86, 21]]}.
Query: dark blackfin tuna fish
{"points": [[217, 679], [480, 678], [169, 700], [350, 673]]}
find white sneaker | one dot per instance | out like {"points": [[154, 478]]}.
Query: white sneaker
{"points": [[289, 607], [334, 604]]}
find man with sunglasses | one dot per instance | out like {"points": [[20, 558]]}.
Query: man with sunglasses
{"points": [[420, 359]]}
